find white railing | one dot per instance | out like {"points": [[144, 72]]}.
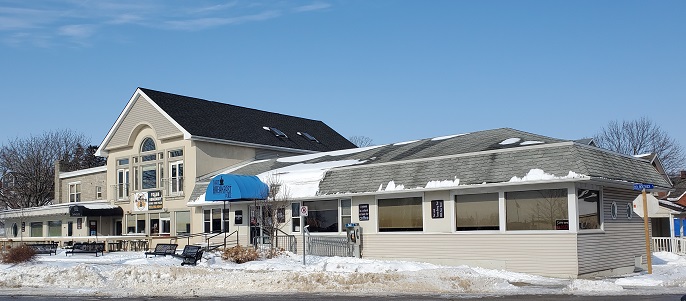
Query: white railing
{"points": [[676, 245]]}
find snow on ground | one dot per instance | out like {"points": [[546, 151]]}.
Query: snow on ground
{"points": [[130, 274]]}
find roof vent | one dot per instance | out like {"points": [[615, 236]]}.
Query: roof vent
{"points": [[276, 132], [308, 136]]}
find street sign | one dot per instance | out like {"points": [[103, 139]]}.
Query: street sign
{"points": [[640, 187], [303, 210], [653, 205]]}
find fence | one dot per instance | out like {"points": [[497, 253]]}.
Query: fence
{"points": [[676, 245], [328, 245]]}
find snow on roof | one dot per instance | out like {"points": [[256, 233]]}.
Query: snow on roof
{"points": [[643, 155], [342, 152], [447, 137], [510, 141], [540, 175], [301, 180], [531, 142], [405, 142]]}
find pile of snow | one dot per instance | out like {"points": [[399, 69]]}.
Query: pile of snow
{"points": [[540, 175], [130, 274]]}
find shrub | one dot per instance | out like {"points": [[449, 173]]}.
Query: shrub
{"points": [[240, 254], [272, 253], [22, 253]]}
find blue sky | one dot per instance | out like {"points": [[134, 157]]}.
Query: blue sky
{"points": [[389, 70]]}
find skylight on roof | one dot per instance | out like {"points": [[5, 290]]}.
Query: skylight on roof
{"points": [[308, 136], [276, 132]]}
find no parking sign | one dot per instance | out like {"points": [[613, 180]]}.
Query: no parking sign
{"points": [[303, 210]]}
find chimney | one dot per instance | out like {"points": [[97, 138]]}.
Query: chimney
{"points": [[683, 174]]}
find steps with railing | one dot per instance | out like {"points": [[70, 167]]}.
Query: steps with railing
{"points": [[212, 241]]}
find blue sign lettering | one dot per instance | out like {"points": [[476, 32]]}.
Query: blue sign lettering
{"points": [[643, 186]]}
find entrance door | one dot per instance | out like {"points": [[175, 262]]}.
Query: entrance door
{"points": [[92, 227], [118, 226], [260, 223]]}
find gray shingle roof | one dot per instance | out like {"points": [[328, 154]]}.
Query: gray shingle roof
{"points": [[473, 158], [211, 119]]}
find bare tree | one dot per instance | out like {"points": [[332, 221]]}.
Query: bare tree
{"points": [[361, 141], [642, 136], [30, 163], [271, 212]]}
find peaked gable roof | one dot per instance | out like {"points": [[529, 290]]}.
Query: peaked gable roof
{"points": [[202, 119]]}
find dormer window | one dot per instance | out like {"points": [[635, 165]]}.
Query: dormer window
{"points": [[276, 132], [308, 136]]}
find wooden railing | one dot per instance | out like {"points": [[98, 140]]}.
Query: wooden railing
{"points": [[676, 245]]}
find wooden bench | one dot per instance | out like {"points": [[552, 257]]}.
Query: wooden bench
{"points": [[163, 250], [44, 248], [96, 247], [190, 255]]}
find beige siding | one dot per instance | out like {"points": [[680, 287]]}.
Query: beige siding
{"points": [[210, 157], [142, 112], [544, 254], [621, 242], [88, 183]]}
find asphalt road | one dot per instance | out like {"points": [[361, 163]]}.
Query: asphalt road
{"points": [[366, 298]]}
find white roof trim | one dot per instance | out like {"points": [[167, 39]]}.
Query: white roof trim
{"points": [[83, 172], [101, 149], [56, 209]]}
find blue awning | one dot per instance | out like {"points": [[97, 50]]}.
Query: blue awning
{"points": [[227, 187]]}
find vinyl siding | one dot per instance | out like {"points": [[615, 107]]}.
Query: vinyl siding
{"points": [[621, 242], [142, 112], [543, 254]]}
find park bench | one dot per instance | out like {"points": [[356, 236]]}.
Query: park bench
{"points": [[44, 248], [163, 250], [95, 247], [190, 255]]}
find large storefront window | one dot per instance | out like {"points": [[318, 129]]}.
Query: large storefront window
{"points": [[322, 216], [404, 214], [36, 229], [183, 222], [135, 223], [54, 228], [537, 210], [477, 212], [589, 208]]}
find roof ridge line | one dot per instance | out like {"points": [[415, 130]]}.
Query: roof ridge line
{"points": [[556, 144]]}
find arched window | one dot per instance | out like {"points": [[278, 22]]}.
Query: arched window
{"points": [[147, 145]]}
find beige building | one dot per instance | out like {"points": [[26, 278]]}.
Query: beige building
{"points": [[193, 171]]}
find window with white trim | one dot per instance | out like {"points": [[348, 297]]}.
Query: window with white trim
{"points": [[401, 214], [176, 178], [346, 205], [477, 212], [589, 209], [544, 209], [74, 192]]}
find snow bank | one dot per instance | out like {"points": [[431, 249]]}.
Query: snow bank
{"points": [[130, 274]]}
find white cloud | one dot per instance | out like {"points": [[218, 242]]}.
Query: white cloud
{"points": [[79, 31], [203, 23], [312, 7]]}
